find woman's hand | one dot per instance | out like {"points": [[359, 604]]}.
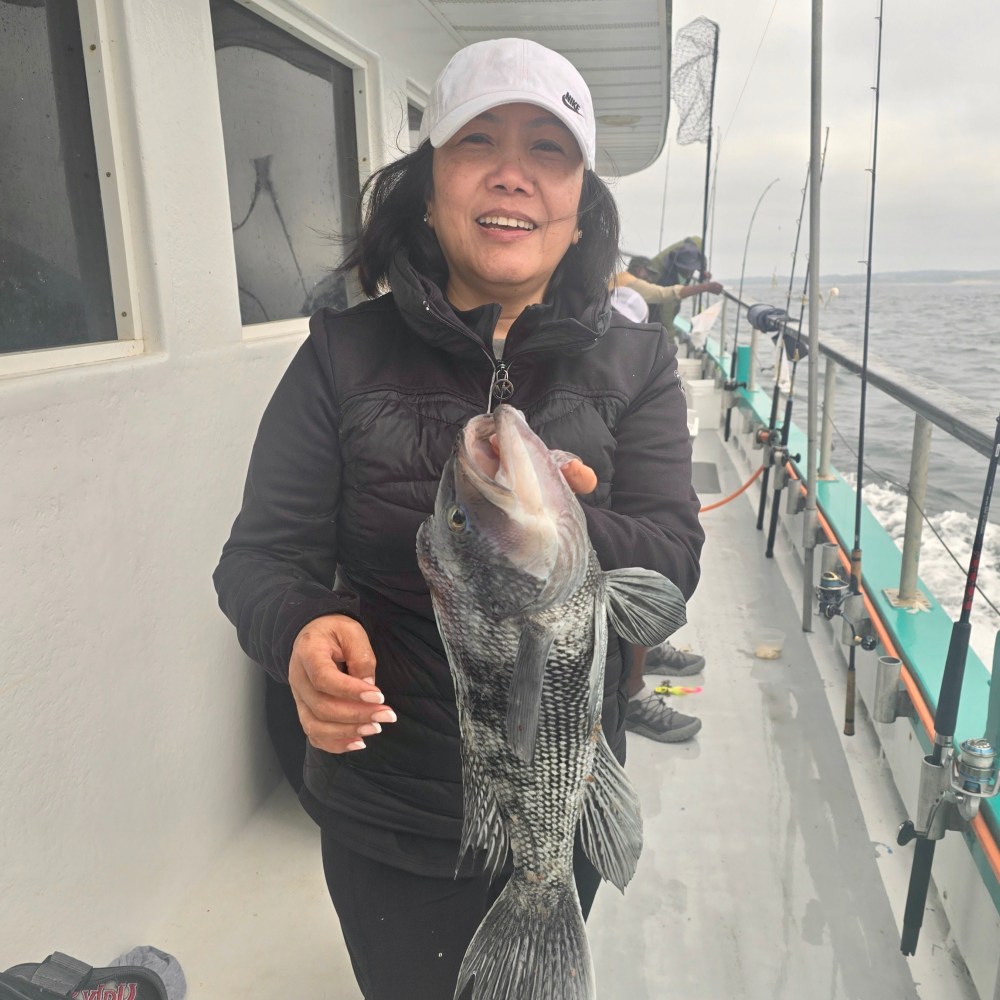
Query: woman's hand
{"points": [[332, 677], [579, 477]]}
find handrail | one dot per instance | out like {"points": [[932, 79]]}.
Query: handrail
{"points": [[958, 416]]}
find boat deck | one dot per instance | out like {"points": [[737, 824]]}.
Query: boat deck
{"points": [[769, 869]]}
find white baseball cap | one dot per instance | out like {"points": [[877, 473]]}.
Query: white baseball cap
{"points": [[630, 303], [507, 71]]}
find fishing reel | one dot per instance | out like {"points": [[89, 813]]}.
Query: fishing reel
{"points": [[767, 319], [951, 792], [837, 600]]}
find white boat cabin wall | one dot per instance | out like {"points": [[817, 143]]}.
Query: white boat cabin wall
{"points": [[132, 726]]}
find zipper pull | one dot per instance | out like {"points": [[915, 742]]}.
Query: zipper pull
{"points": [[501, 388]]}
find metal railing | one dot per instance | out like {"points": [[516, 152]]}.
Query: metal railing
{"points": [[932, 406]]}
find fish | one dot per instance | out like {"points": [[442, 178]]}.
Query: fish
{"points": [[523, 608]]}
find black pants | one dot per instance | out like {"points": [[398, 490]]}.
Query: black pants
{"points": [[407, 934]]}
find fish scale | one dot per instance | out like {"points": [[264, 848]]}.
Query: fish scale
{"points": [[523, 608]]}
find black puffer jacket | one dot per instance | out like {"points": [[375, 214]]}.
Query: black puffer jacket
{"points": [[346, 467]]}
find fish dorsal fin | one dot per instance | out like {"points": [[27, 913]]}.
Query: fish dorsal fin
{"points": [[525, 702], [611, 822], [644, 606]]}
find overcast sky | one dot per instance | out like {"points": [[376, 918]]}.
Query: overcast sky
{"points": [[937, 197]]}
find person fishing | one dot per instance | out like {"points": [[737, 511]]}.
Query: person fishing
{"points": [[494, 242], [666, 280]]}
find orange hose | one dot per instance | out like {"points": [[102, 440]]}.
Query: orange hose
{"points": [[979, 825], [733, 496]]}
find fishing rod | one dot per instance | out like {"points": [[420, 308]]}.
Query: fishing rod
{"points": [[836, 598], [795, 355], [855, 581], [953, 783], [768, 437], [731, 385]]}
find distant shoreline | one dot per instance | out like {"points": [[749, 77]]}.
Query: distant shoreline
{"points": [[896, 277]]}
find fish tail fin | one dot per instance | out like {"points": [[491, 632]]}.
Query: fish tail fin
{"points": [[531, 945]]}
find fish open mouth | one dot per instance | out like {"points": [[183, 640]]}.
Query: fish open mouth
{"points": [[481, 449], [499, 462]]}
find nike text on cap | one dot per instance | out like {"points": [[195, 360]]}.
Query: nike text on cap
{"points": [[508, 71]]}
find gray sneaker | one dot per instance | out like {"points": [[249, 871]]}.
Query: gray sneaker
{"points": [[670, 662], [652, 717]]}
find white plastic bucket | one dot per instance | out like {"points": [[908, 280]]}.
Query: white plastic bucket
{"points": [[706, 401], [693, 424], [689, 368]]}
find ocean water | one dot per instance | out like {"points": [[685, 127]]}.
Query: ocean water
{"points": [[949, 333]]}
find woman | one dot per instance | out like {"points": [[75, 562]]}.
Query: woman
{"points": [[497, 240]]}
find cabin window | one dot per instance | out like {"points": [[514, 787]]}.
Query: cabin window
{"points": [[55, 280], [414, 116], [290, 135]]}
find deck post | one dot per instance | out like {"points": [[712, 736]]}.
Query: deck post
{"points": [[829, 395], [917, 494], [809, 522]]}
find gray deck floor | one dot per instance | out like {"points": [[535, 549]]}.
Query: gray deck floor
{"points": [[768, 838], [760, 877]]}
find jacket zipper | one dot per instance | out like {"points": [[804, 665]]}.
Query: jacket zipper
{"points": [[501, 387]]}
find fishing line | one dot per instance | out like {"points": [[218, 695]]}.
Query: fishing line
{"points": [[905, 491], [945, 720], [795, 357], [753, 62], [731, 386], [855, 581], [776, 394]]}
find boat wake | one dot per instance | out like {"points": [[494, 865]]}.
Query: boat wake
{"points": [[938, 569]]}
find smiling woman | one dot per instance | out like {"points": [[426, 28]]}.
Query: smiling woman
{"points": [[507, 190], [496, 241]]}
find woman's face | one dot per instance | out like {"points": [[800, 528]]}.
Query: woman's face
{"points": [[504, 208]]}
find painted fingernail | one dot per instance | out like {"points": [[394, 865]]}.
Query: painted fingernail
{"points": [[356, 745], [369, 729], [373, 697], [386, 715]]}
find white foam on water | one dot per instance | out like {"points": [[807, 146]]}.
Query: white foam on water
{"points": [[938, 570]]}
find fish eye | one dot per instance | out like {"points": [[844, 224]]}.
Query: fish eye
{"points": [[457, 518]]}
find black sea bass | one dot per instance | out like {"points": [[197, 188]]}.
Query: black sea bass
{"points": [[523, 607]]}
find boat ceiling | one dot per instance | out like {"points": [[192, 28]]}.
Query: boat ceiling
{"points": [[622, 48]]}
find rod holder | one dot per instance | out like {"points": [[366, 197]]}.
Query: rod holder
{"points": [[891, 701], [795, 501], [852, 610], [936, 811]]}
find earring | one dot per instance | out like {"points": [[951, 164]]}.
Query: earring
{"points": [[578, 237], [426, 218]]}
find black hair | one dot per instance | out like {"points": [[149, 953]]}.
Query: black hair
{"points": [[639, 264], [395, 199]]}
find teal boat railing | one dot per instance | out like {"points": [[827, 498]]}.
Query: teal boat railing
{"points": [[920, 639]]}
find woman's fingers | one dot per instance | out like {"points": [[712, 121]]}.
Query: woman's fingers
{"points": [[579, 477], [332, 677]]}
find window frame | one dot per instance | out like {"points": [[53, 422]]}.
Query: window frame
{"points": [[322, 35], [110, 153]]}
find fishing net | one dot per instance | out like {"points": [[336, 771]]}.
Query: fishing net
{"points": [[692, 82]]}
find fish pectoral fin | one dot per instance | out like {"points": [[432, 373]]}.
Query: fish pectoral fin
{"points": [[525, 701], [644, 606], [611, 821]]}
